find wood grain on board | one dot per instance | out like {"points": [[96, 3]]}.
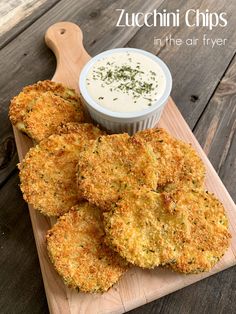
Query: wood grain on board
{"points": [[137, 286]]}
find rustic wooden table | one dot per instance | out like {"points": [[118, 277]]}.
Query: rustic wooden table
{"points": [[204, 90]]}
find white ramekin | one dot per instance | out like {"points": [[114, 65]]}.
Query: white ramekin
{"points": [[119, 122]]}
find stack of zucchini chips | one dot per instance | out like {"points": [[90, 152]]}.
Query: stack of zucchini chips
{"points": [[120, 200]]}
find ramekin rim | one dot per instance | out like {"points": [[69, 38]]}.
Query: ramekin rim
{"points": [[124, 115]]}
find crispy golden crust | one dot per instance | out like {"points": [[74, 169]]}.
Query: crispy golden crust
{"points": [[169, 162], [76, 248], [40, 108], [48, 172], [56, 88], [193, 171], [73, 127], [186, 229], [178, 163], [112, 164]]}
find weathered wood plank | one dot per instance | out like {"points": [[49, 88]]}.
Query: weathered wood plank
{"points": [[196, 70], [216, 129], [15, 16], [34, 61], [8, 154], [109, 36], [12, 12], [21, 289]]}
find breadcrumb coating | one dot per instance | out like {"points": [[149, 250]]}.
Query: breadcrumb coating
{"points": [[178, 163], [48, 171], [77, 250], [112, 164], [40, 108], [185, 229]]}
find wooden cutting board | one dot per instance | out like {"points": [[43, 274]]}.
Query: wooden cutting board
{"points": [[138, 286]]}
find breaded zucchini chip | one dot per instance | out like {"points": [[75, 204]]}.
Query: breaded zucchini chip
{"points": [[178, 163], [48, 171], [170, 160], [186, 229], [76, 248], [40, 108], [112, 164], [193, 171], [56, 88]]}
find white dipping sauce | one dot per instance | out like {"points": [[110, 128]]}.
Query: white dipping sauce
{"points": [[126, 82]]}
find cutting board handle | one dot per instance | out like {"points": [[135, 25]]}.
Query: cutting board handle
{"points": [[65, 39]]}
